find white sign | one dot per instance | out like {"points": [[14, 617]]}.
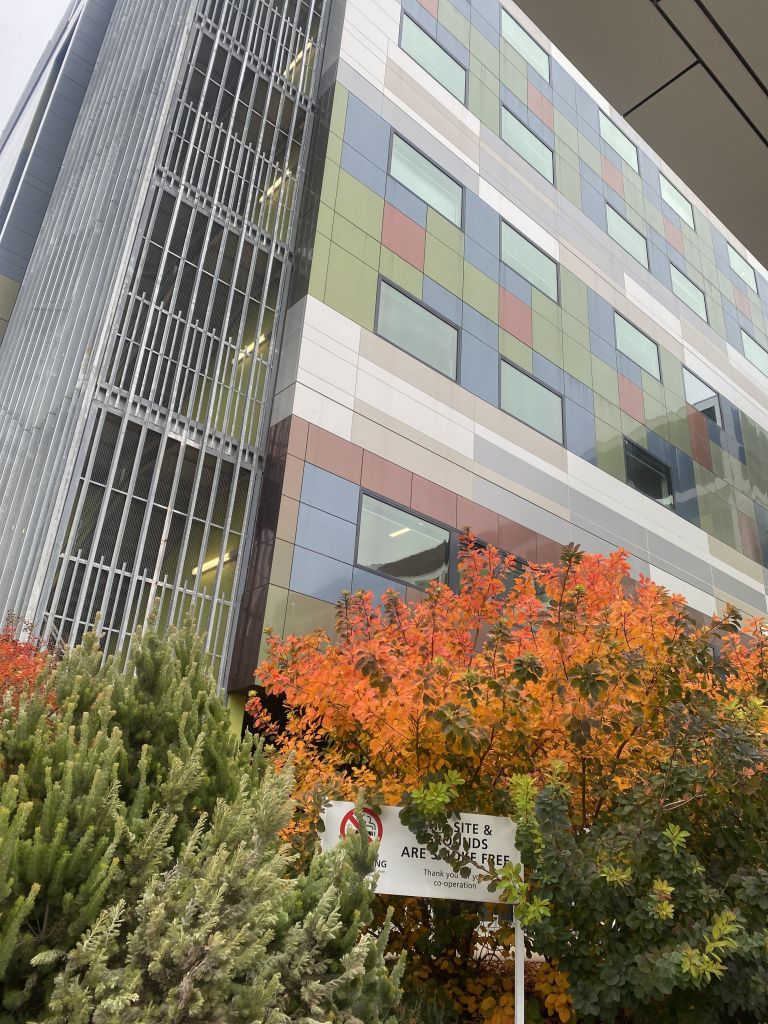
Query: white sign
{"points": [[406, 867]]}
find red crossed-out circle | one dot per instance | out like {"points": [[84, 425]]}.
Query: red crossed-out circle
{"points": [[371, 821]]}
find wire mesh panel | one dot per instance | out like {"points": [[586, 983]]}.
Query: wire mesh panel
{"points": [[170, 470]]}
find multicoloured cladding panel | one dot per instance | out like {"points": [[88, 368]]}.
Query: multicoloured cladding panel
{"points": [[317, 535], [370, 227], [358, 419]]}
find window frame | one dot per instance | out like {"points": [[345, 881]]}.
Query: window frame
{"points": [[454, 543], [754, 341], [530, 241], [383, 279], [670, 480], [393, 134], [672, 267], [403, 16], [655, 344], [553, 179], [541, 383], [719, 420], [453, 540], [734, 252], [692, 222], [503, 11], [601, 115], [610, 206]]}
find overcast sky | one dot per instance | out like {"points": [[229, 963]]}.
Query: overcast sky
{"points": [[25, 28]]}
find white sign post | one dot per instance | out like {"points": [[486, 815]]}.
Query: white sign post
{"points": [[405, 867]]}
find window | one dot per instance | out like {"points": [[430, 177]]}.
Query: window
{"points": [[676, 200], [425, 180], [529, 261], [399, 544], [433, 58], [525, 45], [755, 352], [533, 403], [636, 346], [413, 328], [688, 292], [647, 474], [618, 141], [529, 146], [740, 266], [629, 238], [701, 397]]}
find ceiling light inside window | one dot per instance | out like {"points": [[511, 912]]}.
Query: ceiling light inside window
{"points": [[213, 563]]}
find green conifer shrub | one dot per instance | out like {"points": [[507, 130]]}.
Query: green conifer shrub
{"points": [[141, 872]]}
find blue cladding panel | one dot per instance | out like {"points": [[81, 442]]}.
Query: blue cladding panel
{"points": [[547, 372], [483, 328], [318, 576], [580, 432], [661, 449], [481, 223], [364, 170], [442, 301], [327, 534], [562, 84], [658, 264], [367, 132], [593, 205], [479, 257], [479, 368], [761, 518], [601, 317], [602, 349], [579, 393], [586, 108], [684, 486], [511, 281], [330, 493]]}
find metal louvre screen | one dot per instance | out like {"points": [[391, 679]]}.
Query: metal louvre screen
{"points": [[170, 473]]}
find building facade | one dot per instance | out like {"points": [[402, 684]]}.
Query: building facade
{"points": [[316, 286], [517, 319]]}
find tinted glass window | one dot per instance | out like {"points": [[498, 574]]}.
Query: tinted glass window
{"points": [[529, 261], [618, 141], [636, 346], [740, 266], [426, 180], [433, 58], [527, 400], [676, 200], [647, 474], [525, 45], [629, 238], [701, 397], [755, 352], [688, 292], [401, 545], [410, 326], [529, 146]]}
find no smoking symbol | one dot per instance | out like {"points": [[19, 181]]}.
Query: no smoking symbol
{"points": [[371, 822]]}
